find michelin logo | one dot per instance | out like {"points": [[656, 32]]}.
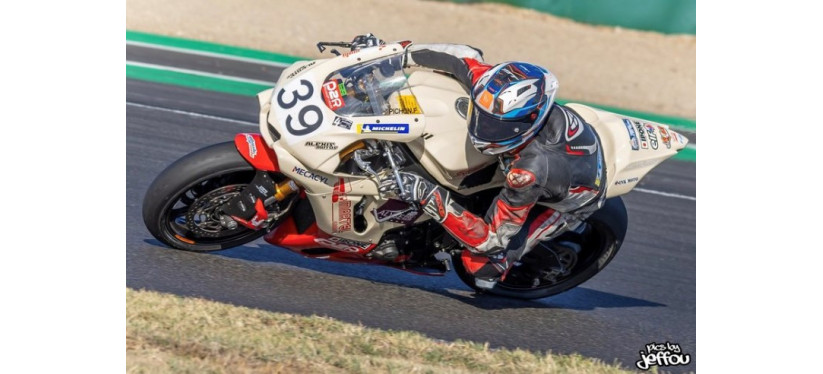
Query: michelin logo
{"points": [[390, 128]]}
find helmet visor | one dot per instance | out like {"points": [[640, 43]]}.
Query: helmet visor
{"points": [[487, 128]]}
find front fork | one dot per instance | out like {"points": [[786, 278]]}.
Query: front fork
{"points": [[249, 207]]}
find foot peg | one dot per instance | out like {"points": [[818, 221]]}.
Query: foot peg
{"points": [[386, 251], [445, 258]]}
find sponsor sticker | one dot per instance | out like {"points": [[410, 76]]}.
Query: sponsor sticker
{"points": [[632, 134], [652, 136], [627, 181], [307, 174], [342, 244], [342, 122], [388, 128], [341, 208], [331, 95], [300, 69], [326, 146], [252, 145], [641, 134], [665, 137]]}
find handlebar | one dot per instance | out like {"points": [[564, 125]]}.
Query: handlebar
{"points": [[359, 41]]}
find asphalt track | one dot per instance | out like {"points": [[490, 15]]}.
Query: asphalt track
{"points": [[647, 294]]}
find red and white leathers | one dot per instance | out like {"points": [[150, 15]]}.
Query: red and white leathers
{"points": [[561, 166]]}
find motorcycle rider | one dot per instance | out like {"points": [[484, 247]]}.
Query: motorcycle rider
{"points": [[547, 151]]}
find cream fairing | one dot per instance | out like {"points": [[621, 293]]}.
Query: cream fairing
{"points": [[309, 146]]}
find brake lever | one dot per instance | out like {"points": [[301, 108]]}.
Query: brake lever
{"points": [[360, 41], [321, 46]]}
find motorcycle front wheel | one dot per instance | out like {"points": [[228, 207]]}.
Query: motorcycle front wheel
{"points": [[565, 262], [180, 207]]}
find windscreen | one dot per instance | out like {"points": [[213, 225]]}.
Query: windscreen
{"points": [[373, 88]]}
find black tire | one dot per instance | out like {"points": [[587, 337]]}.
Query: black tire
{"points": [[192, 176], [601, 240]]}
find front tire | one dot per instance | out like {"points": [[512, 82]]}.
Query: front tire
{"points": [[202, 179], [601, 237]]}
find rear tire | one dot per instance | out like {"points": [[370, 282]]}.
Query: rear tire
{"points": [[205, 171], [602, 237]]}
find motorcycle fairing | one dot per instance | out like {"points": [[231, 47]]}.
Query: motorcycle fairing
{"points": [[437, 137], [631, 146], [253, 148], [315, 243], [300, 110]]}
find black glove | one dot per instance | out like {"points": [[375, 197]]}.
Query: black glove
{"points": [[415, 187], [418, 190]]}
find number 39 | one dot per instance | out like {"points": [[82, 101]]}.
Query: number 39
{"points": [[305, 128]]}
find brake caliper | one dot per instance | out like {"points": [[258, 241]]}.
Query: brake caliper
{"points": [[248, 208]]}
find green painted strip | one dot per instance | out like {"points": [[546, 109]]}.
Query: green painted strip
{"points": [[675, 122], [209, 47], [194, 81], [668, 16]]}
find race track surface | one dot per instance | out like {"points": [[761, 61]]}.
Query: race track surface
{"points": [[646, 294]]}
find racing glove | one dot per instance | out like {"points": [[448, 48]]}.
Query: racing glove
{"points": [[418, 190], [436, 201], [487, 237]]}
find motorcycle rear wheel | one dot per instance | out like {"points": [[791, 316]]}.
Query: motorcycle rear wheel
{"points": [[599, 238], [190, 190]]}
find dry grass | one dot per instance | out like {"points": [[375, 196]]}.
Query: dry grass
{"points": [[167, 333]]}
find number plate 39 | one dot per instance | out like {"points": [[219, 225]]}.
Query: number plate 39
{"points": [[299, 108]]}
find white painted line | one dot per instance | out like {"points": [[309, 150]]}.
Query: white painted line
{"points": [[208, 54], [667, 194], [257, 61], [200, 73], [192, 114]]}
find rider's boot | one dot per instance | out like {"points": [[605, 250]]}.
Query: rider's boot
{"points": [[486, 269]]}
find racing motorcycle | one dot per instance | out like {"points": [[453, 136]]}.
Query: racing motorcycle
{"points": [[332, 128]]}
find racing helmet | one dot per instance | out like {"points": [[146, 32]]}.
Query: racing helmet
{"points": [[510, 104]]}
